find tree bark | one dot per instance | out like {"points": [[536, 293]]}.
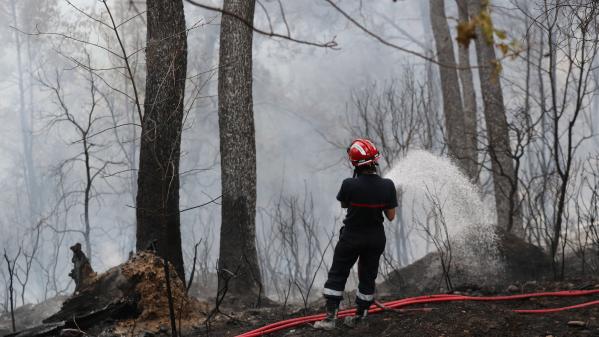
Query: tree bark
{"points": [[239, 272], [157, 211], [25, 118], [469, 100], [502, 165], [450, 85], [595, 102]]}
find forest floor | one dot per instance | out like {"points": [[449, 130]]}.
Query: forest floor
{"points": [[445, 319]]}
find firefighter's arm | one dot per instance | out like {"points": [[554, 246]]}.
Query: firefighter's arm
{"points": [[390, 214], [392, 203], [343, 196]]}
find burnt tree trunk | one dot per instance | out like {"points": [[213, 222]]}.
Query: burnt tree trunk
{"points": [[158, 217], [450, 86], [239, 272], [502, 164], [10, 265], [82, 273], [469, 100]]}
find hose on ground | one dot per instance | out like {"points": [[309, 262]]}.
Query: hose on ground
{"points": [[293, 322]]}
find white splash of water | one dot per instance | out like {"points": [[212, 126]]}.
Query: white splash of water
{"points": [[425, 179], [420, 173]]}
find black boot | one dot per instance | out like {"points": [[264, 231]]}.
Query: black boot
{"points": [[330, 321], [358, 319]]}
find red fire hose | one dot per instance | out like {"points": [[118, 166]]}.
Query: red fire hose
{"points": [[293, 322]]}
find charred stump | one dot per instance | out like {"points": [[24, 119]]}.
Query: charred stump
{"points": [[83, 273]]}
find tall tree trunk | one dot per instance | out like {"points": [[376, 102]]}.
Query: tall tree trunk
{"points": [[502, 165], [450, 85], [29, 173], [158, 219], [469, 99], [238, 254], [595, 102]]}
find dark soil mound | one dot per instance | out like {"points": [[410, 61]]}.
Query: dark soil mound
{"points": [[521, 262]]}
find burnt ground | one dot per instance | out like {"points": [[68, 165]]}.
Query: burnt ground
{"points": [[446, 319]]}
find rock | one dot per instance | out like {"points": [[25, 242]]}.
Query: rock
{"points": [[530, 285], [580, 324], [513, 288]]}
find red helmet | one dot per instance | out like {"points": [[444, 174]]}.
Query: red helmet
{"points": [[362, 152]]}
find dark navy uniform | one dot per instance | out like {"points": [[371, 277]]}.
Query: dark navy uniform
{"points": [[362, 237]]}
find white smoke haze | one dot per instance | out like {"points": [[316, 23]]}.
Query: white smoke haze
{"points": [[302, 97]]}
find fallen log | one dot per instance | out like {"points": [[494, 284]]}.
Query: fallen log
{"points": [[129, 296]]}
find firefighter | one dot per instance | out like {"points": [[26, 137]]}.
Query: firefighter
{"points": [[366, 196]]}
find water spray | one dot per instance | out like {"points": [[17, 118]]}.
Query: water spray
{"points": [[467, 229]]}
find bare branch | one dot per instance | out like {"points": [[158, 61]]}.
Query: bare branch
{"points": [[332, 44]]}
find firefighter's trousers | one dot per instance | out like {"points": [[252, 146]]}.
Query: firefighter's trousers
{"points": [[365, 245]]}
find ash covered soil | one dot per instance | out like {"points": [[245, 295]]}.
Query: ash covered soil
{"points": [[129, 300], [445, 319]]}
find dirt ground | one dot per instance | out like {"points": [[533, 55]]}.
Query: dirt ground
{"points": [[445, 320], [450, 319]]}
